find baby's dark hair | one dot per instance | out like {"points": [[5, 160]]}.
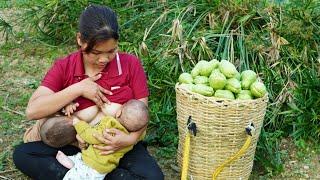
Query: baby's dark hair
{"points": [[134, 115], [97, 24], [57, 132]]}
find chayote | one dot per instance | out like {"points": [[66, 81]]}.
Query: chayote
{"points": [[217, 80], [203, 89], [244, 95], [201, 80], [247, 78], [233, 85], [227, 68], [258, 89], [185, 78], [224, 94]]}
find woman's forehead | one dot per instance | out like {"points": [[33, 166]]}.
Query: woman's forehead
{"points": [[106, 45]]}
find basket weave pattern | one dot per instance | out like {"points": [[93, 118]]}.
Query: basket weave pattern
{"points": [[220, 133]]}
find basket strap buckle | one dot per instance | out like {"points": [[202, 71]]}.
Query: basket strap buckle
{"points": [[192, 127], [250, 129]]}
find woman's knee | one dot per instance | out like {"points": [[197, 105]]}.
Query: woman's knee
{"points": [[19, 156]]}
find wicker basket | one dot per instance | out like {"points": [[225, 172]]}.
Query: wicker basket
{"points": [[221, 133]]}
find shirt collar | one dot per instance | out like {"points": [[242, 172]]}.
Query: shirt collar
{"points": [[79, 69]]}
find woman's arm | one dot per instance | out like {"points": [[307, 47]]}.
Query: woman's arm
{"points": [[45, 102]]}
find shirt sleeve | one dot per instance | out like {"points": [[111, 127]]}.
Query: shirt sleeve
{"points": [[138, 81], [54, 77], [85, 131]]}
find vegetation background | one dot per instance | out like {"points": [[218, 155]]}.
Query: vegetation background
{"points": [[277, 38]]}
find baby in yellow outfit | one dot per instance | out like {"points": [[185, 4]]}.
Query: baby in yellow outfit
{"points": [[89, 164]]}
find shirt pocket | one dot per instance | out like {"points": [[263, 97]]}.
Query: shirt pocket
{"points": [[121, 94], [113, 82]]}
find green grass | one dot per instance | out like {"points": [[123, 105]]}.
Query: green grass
{"points": [[278, 39], [22, 67]]}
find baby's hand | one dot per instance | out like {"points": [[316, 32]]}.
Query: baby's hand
{"points": [[70, 108], [75, 120]]}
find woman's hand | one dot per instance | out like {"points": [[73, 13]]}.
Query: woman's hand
{"points": [[81, 143], [91, 90], [114, 140]]}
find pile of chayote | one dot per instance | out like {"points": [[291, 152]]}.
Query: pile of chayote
{"points": [[222, 80]]}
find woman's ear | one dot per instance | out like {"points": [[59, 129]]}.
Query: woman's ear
{"points": [[80, 43]]}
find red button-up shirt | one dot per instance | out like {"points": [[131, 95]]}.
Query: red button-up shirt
{"points": [[125, 77]]}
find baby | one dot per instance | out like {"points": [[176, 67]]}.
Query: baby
{"points": [[89, 164], [60, 132]]}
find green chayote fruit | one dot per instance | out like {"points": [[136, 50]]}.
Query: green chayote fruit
{"points": [[197, 68], [187, 86], [200, 80], [244, 95], [205, 68], [233, 85], [217, 80], [203, 89], [227, 68], [185, 78], [224, 94], [214, 64], [247, 78], [238, 76], [258, 89]]}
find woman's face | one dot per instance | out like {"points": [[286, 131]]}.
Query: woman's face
{"points": [[101, 53]]}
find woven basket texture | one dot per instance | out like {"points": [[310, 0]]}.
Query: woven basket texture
{"points": [[220, 133]]}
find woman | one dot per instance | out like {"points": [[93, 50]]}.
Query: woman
{"points": [[94, 75]]}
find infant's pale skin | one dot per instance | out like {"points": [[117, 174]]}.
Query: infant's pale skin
{"points": [[93, 114]]}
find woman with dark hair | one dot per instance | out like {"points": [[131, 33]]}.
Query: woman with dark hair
{"points": [[94, 75]]}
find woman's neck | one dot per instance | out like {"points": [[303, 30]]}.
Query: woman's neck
{"points": [[90, 70]]}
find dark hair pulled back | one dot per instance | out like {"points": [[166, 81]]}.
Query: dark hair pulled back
{"points": [[97, 24]]}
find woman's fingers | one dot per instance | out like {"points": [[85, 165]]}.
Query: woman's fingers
{"points": [[98, 101], [102, 139], [105, 91], [104, 99], [109, 133], [80, 139], [105, 150], [81, 142]]}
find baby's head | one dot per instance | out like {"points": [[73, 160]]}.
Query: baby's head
{"points": [[134, 115], [58, 132]]}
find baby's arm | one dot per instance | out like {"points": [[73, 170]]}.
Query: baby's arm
{"points": [[85, 131]]}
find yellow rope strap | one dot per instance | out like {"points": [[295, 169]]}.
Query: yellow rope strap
{"points": [[185, 159], [186, 151], [234, 157]]}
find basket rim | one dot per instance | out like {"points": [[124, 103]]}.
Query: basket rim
{"points": [[220, 100]]}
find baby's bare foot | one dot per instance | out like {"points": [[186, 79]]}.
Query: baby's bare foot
{"points": [[64, 160]]}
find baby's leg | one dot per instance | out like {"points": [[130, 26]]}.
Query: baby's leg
{"points": [[64, 160]]}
